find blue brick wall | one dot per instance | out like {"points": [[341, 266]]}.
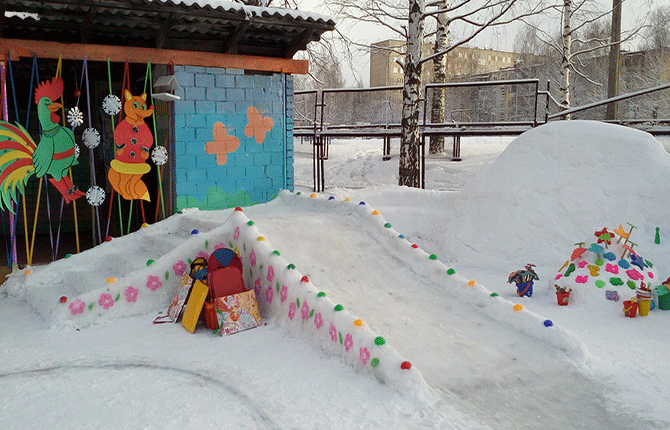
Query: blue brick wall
{"points": [[254, 172]]}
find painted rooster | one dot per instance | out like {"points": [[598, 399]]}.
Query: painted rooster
{"points": [[20, 157]]}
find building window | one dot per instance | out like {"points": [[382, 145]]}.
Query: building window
{"points": [[395, 70], [481, 61], [460, 55]]}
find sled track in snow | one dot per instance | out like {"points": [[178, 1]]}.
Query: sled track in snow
{"points": [[259, 416]]}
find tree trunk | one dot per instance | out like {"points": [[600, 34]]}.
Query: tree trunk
{"points": [[439, 77], [613, 71], [566, 36], [408, 169]]}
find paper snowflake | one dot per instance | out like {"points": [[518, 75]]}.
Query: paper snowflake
{"points": [[111, 104], [75, 117], [159, 155], [95, 195], [91, 137], [77, 151]]}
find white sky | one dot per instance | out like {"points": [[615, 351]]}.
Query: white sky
{"points": [[499, 38]]}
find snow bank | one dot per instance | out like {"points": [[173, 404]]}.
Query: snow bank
{"points": [[560, 180]]}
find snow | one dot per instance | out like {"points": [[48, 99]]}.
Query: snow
{"points": [[476, 361]]}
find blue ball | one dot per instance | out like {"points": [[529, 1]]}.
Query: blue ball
{"points": [[194, 231], [548, 323]]}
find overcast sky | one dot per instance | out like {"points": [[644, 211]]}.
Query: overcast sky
{"points": [[501, 38]]}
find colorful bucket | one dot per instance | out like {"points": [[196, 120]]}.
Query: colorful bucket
{"points": [[663, 298], [563, 298]]}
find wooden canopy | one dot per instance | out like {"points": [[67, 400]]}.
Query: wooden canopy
{"points": [[205, 32]]}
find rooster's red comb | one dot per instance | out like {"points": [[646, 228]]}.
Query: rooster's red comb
{"points": [[52, 89]]}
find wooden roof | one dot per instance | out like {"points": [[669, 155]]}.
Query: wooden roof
{"points": [[205, 26]]}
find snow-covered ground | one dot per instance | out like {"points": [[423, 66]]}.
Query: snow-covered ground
{"points": [[485, 364]]}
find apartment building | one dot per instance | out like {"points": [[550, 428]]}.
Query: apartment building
{"points": [[386, 59]]}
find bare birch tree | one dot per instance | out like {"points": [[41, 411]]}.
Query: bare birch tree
{"points": [[408, 19]]}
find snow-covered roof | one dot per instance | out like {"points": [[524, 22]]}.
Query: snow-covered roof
{"points": [[196, 25]]}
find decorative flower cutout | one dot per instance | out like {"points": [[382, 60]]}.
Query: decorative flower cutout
{"points": [[333, 332], [159, 155], [291, 310], [364, 355], [77, 151], [271, 273], [95, 195], [74, 117], [348, 342], [91, 137], [304, 310], [318, 320], [179, 267], [153, 282], [131, 294], [77, 307], [284, 293], [269, 294], [106, 301], [111, 104]]}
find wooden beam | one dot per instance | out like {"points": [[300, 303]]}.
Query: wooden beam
{"points": [[76, 51], [231, 42]]}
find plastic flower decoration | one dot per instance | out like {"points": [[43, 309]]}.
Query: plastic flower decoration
{"points": [[111, 104], [159, 155], [74, 117], [91, 137], [95, 195]]}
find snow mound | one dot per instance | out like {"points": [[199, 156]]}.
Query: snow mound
{"points": [[558, 179]]}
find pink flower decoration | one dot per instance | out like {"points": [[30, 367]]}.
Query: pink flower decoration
{"points": [[318, 320], [304, 310], [252, 258], [219, 246], [364, 355], [582, 264], [271, 273], [612, 268], [581, 279], [348, 342], [257, 286], [333, 332], [559, 276], [291, 310], [634, 274], [284, 293], [650, 274], [77, 307], [153, 283], [268, 294], [202, 254], [131, 294], [179, 267], [106, 301], [236, 234]]}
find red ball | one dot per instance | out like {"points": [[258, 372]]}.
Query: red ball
{"points": [[108, 239], [415, 246], [63, 299], [304, 279], [239, 209], [406, 365], [77, 93]]}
